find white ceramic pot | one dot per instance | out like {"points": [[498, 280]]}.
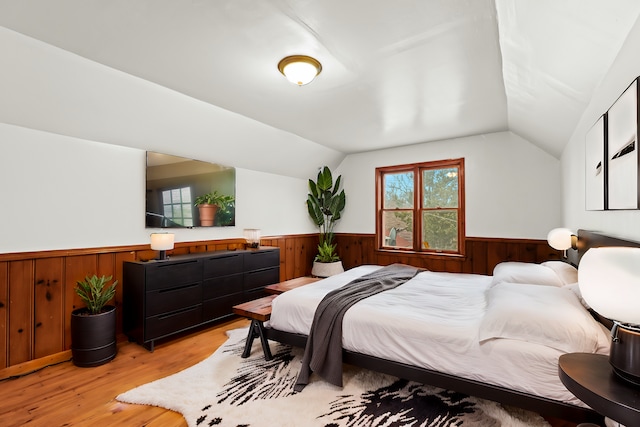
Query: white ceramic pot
{"points": [[326, 269]]}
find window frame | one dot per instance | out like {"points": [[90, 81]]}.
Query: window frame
{"points": [[181, 219], [417, 169]]}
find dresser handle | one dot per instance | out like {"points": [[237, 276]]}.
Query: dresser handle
{"points": [[179, 288], [173, 313], [173, 264]]}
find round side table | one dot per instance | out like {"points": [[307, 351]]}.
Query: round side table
{"points": [[591, 379]]}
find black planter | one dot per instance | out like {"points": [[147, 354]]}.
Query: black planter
{"points": [[93, 337]]}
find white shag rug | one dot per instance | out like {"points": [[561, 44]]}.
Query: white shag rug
{"points": [[227, 390]]}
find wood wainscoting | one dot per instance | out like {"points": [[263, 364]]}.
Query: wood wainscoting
{"points": [[481, 254], [37, 288]]}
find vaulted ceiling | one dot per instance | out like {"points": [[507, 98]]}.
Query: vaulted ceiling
{"points": [[394, 72]]}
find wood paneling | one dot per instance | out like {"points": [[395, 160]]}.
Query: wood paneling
{"points": [[49, 307], [482, 254], [296, 254], [37, 288], [21, 306], [4, 314]]}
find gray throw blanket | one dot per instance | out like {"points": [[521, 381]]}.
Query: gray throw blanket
{"points": [[323, 351]]}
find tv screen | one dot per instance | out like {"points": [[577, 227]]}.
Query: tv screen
{"points": [[175, 184]]}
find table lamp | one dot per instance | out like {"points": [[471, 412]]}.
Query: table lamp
{"points": [[162, 242], [609, 279]]}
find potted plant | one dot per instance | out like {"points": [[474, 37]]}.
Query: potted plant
{"points": [[226, 213], [325, 203], [208, 204], [93, 327]]}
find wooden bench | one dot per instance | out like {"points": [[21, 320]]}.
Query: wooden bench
{"points": [[287, 285], [259, 311]]}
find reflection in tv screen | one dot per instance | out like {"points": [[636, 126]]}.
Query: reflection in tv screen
{"points": [[173, 185]]}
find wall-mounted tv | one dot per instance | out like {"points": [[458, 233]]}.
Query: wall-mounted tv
{"points": [[174, 185]]}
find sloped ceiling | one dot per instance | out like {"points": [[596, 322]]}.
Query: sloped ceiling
{"points": [[394, 72]]}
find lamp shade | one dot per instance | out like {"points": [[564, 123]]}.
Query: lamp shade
{"points": [[299, 69], [560, 238], [162, 241], [609, 279]]}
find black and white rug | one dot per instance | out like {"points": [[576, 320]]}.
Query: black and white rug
{"points": [[226, 390]]}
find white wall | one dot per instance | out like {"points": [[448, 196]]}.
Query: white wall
{"points": [[60, 192], [63, 193], [625, 68], [512, 187]]}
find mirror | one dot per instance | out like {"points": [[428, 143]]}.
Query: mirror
{"points": [[175, 184]]}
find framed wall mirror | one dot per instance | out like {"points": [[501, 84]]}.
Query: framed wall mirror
{"points": [[180, 192]]}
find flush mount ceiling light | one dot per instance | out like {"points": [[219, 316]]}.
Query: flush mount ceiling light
{"points": [[299, 69]]}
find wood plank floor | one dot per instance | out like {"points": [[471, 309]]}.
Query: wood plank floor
{"points": [[65, 395]]}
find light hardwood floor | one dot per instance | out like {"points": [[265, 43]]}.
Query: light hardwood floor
{"points": [[65, 395]]}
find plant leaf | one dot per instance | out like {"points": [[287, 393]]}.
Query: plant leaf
{"points": [[325, 180], [93, 293]]}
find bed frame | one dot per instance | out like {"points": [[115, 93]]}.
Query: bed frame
{"points": [[545, 406]]}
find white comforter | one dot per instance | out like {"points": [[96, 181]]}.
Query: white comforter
{"points": [[453, 323]]}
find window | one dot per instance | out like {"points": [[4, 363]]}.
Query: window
{"points": [[420, 207], [177, 206]]}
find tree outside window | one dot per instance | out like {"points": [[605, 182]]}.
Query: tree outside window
{"points": [[420, 207]]}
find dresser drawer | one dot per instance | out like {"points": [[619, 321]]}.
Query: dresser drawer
{"points": [[169, 323], [165, 300], [261, 259], [219, 307], [261, 278], [253, 294], [169, 274], [220, 286], [223, 265]]}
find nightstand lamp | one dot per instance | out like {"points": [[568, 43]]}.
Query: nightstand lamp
{"points": [[162, 242], [562, 239], [609, 280]]}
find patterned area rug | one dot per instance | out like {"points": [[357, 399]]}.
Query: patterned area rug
{"points": [[226, 390]]}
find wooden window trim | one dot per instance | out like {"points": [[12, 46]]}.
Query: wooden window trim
{"points": [[416, 168]]}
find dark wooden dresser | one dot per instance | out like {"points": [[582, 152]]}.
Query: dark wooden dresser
{"points": [[162, 298]]}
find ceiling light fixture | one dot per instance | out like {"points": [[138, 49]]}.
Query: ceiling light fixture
{"points": [[300, 69]]}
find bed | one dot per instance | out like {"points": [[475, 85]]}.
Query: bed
{"points": [[475, 334]]}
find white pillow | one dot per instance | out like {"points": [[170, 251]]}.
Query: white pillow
{"points": [[566, 272], [575, 288], [544, 315], [525, 272]]}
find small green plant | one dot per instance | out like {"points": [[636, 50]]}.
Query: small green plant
{"points": [[215, 198], [95, 293], [327, 252]]}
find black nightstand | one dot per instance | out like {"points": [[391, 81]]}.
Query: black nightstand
{"points": [[591, 379]]}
